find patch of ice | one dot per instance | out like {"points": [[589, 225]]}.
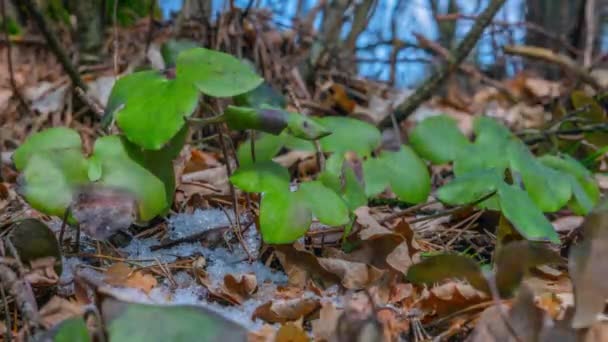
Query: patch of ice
{"points": [[182, 225]]}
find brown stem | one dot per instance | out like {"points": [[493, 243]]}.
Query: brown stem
{"points": [[429, 87]]}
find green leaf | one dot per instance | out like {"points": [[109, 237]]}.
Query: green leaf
{"points": [[330, 177], [304, 127], [326, 205], [470, 187], [266, 147], [269, 120], [72, 330], [150, 108], [216, 73], [438, 139], [298, 144], [594, 113], [584, 188], [349, 135], [284, 217], [172, 48], [488, 151], [34, 240], [49, 179], [438, 268], [131, 322], [148, 175], [549, 189], [353, 190], [263, 95], [262, 176], [57, 138], [408, 175], [375, 176], [524, 215]]}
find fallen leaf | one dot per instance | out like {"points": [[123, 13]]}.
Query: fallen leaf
{"points": [[42, 272], [282, 311], [301, 266], [324, 327], [354, 275], [448, 298], [567, 224], [120, 274], [290, 332], [240, 287], [59, 309], [200, 160], [588, 268]]}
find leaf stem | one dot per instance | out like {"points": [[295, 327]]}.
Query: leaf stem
{"points": [[206, 121]]}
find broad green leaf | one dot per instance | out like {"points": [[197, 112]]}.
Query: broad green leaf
{"points": [[159, 323], [349, 135], [269, 120], [72, 330], [353, 190], [408, 175], [34, 240], [375, 176], [332, 175], [588, 267], [262, 176], [95, 169], [488, 151], [325, 204], [57, 138], [438, 139], [524, 215], [584, 188], [298, 144], [263, 95], [172, 48], [148, 175], [438, 268], [49, 179], [549, 189], [266, 147], [215, 73], [515, 259], [150, 108], [470, 187], [284, 216]]}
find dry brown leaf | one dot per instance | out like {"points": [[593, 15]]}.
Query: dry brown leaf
{"points": [[324, 327], [354, 275], [240, 287], [597, 333], [450, 297], [120, 274], [393, 323], [59, 309], [200, 160], [282, 311], [266, 333], [291, 332], [42, 272], [302, 266]]}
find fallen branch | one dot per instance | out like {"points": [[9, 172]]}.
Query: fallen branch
{"points": [[52, 41], [547, 55], [426, 90]]}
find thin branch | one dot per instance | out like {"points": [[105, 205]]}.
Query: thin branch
{"points": [[52, 41], [547, 55], [590, 37], [426, 90]]}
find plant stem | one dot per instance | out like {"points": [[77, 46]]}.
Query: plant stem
{"points": [[207, 121]]}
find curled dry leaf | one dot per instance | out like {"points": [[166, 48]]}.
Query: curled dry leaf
{"points": [[42, 272], [282, 311], [291, 332], [239, 287], [120, 274], [324, 327], [354, 275], [59, 309], [450, 297], [302, 266]]}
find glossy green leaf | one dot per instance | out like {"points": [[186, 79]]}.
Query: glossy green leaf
{"points": [[350, 135], [326, 205], [263, 95], [332, 175], [49, 179], [57, 138], [150, 108], [173, 47], [262, 176], [305, 127], [352, 189], [155, 323], [148, 175], [284, 216], [294, 143], [408, 175], [72, 330], [375, 176], [584, 187], [470, 187], [266, 147], [438, 139], [524, 215], [438, 268], [549, 189], [216, 73]]}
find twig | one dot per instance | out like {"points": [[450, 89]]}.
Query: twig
{"points": [[52, 41], [150, 27], [24, 296], [9, 58], [89, 102], [7, 316], [426, 90], [453, 210], [547, 55], [590, 37]]}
